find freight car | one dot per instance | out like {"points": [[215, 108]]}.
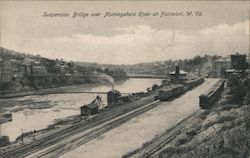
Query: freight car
{"points": [[193, 83], [167, 93], [208, 98]]}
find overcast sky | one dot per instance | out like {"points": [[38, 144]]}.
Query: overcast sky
{"points": [[223, 29]]}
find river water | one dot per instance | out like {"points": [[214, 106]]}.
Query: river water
{"points": [[64, 105]]}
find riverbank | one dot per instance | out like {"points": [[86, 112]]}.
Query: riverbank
{"points": [[70, 88]]}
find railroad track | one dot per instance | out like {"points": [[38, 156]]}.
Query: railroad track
{"points": [[156, 144], [90, 135], [28, 149], [33, 147]]}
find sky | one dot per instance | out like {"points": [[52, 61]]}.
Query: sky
{"points": [[222, 29]]}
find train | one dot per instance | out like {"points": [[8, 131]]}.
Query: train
{"points": [[208, 98], [193, 83], [168, 92]]}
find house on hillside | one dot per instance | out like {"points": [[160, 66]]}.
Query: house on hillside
{"points": [[28, 61], [6, 71], [39, 70]]}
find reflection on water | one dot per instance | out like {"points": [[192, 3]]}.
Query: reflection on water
{"points": [[64, 105]]}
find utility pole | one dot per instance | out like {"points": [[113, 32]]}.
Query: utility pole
{"points": [[22, 136]]}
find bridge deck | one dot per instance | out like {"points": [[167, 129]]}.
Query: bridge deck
{"points": [[98, 76]]}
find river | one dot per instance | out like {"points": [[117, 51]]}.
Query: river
{"points": [[63, 105]]}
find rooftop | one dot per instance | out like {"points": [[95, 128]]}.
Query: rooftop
{"points": [[166, 88], [238, 54], [223, 60], [181, 72], [90, 106], [230, 70], [114, 91]]}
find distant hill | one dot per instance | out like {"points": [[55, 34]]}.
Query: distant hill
{"points": [[198, 63], [88, 64], [11, 54]]}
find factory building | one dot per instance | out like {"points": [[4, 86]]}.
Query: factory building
{"points": [[238, 65], [239, 61]]}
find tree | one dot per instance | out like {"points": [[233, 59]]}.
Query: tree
{"points": [[71, 64], [247, 97], [154, 87], [237, 89]]}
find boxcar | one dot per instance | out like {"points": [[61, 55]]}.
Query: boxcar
{"points": [[167, 93], [192, 83], [208, 98]]}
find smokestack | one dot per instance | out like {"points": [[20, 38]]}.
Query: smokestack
{"points": [[177, 70], [113, 86]]}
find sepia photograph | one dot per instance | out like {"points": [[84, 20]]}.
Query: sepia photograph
{"points": [[124, 79]]}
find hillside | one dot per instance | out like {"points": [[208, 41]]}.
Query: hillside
{"points": [[23, 72]]}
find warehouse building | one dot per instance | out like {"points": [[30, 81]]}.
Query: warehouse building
{"points": [[89, 109]]}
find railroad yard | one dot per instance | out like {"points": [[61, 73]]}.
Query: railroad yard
{"points": [[133, 133], [72, 136]]}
